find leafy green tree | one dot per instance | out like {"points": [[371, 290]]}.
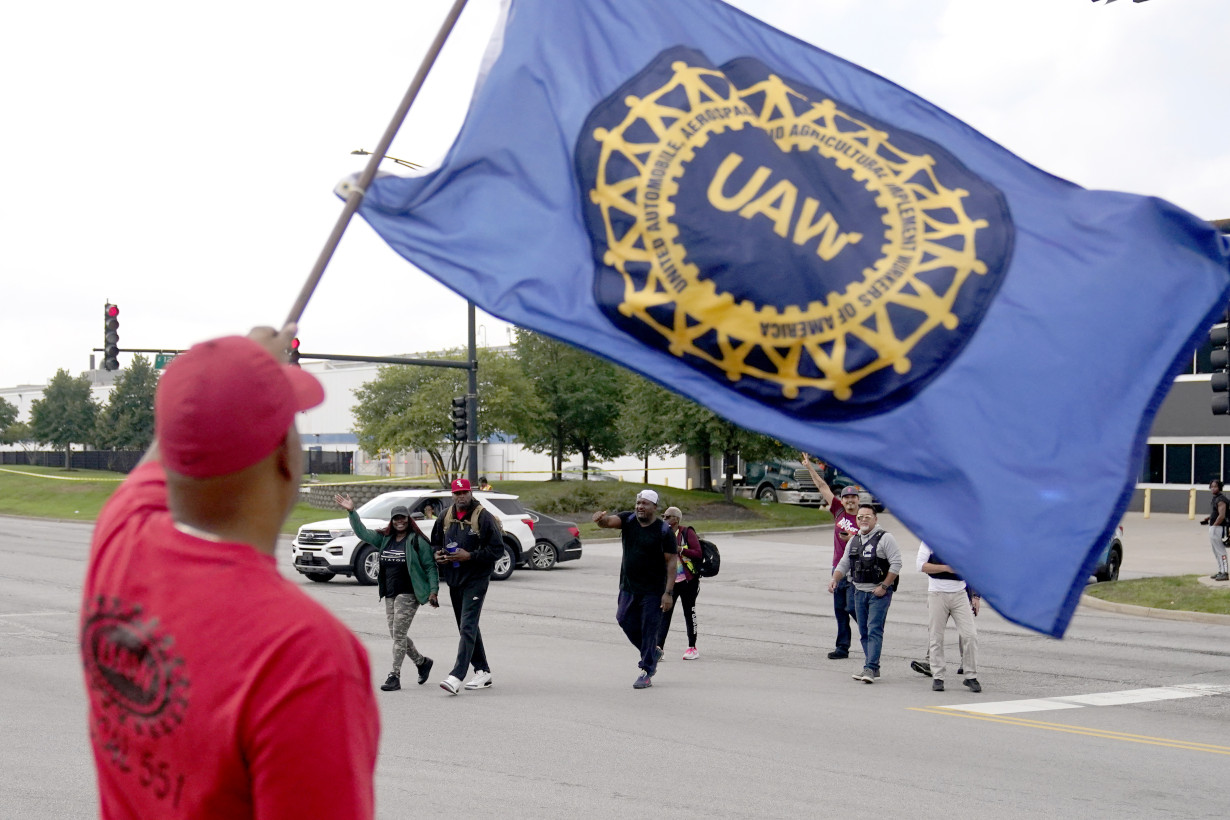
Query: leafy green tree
{"points": [[407, 407], [579, 396], [689, 427], [8, 417], [645, 420], [736, 442], [18, 432], [127, 420], [65, 415]]}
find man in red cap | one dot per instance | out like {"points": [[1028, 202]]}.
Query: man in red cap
{"points": [[468, 541], [210, 677]]}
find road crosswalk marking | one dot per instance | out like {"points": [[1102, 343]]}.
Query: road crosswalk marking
{"points": [[1127, 696]]}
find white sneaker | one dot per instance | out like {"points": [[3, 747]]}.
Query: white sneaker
{"points": [[451, 685], [691, 654], [481, 680]]}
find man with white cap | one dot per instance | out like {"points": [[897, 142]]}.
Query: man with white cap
{"points": [[646, 577], [210, 677]]}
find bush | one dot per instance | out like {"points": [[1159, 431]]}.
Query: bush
{"points": [[587, 497]]}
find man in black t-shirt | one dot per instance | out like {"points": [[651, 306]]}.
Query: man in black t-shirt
{"points": [[646, 577], [1219, 516]]}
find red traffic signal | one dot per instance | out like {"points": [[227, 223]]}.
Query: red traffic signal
{"points": [[294, 351], [111, 337]]}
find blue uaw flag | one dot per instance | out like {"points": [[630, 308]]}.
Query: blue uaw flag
{"points": [[816, 253]]}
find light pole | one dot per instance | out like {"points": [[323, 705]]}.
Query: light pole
{"points": [[472, 369]]}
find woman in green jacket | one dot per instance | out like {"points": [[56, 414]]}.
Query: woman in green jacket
{"points": [[408, 578]]}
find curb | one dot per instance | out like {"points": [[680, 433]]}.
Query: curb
{"points": [[1149, 612]]}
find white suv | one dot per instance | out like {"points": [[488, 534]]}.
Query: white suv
{"points": [[324, 549]]}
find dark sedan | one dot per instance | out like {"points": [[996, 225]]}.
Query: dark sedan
{"points": [[554, 541]]}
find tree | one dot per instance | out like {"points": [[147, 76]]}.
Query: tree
{"points": [[127, 420], [8, 417], [735, 442], [645, 420], [19, 432], [407, 407], [65, 414], [580, 397], [693, 428]]}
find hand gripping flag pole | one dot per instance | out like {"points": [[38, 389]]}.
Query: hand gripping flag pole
{"points": [[357, 191]]}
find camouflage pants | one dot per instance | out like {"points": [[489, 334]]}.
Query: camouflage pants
{"points": [[400, 613]]}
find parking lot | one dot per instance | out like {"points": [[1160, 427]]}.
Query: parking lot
{"points": [[762, 725]]}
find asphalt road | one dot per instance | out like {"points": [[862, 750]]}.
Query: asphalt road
{"points": [[762, 725]]}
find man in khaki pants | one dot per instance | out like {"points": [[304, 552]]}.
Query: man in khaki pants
{"points": [[947, 598]]}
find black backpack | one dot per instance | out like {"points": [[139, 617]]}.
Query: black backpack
{"points": [[710, 559]]}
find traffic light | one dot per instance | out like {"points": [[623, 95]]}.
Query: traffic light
{"points": [[459, 419], [111, 337], [1219, 358], [294, 351]]}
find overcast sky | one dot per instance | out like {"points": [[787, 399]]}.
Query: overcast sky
{"points": [[179, 159]]}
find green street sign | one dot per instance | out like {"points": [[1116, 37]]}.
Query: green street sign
{"points": [[161, 360]]}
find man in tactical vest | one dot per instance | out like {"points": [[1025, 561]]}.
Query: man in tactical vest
{"points": [[873, 562], [947, 598], [1217, 529]]}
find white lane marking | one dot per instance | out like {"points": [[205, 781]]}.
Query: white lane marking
{"points": [[33, 614], [1127, 696]]}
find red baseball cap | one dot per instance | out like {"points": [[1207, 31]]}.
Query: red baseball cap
{"points": [[226, 404], [460, 485]]}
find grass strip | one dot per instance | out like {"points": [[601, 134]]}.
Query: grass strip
{"points": [[1182, 593]]}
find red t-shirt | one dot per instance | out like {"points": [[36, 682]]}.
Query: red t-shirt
{"points": [[216, 687], [842, 522]]}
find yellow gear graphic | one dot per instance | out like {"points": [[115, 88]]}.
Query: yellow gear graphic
{"points": [[925, 228]]}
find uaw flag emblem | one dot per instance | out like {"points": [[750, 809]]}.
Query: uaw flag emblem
{"points": [[781, 241]]}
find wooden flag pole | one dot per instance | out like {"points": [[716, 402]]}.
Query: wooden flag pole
{"points": [[357, 191]]}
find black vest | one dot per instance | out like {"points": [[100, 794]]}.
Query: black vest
{"points": [[946, 576], [866, 566]]}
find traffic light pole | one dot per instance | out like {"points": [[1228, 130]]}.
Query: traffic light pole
{"points": [[472, 401]]}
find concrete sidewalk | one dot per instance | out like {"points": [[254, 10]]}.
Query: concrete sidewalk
{"points": [[1165, 544]]}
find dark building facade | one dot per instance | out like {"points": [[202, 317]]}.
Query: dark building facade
{"points": [[1188, 445]]}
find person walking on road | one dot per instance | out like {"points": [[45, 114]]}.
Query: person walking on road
{"points": [[947, 597], [210, 678], [687, 582], [646, 577], [468, 541], [844, 526], [873, 563], [407, 579], [1217, 522]]}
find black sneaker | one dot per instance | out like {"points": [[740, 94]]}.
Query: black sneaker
{"points": [[837, 655], [424, 670], [973, 684], [392, 683], [921, 667], [937, 685]]}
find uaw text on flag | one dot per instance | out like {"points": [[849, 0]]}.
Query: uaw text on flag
{"points": [[816, 253]]}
